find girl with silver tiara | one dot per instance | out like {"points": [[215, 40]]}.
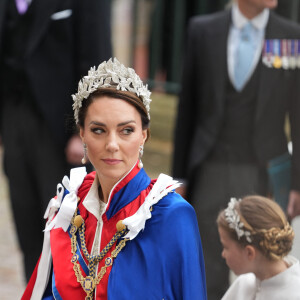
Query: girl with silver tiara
{"points": [[257, 239]]}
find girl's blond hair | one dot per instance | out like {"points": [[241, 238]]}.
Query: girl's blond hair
{"points": [[265, 220]]}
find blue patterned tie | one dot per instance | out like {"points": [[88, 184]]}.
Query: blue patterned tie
{"points": [[244, 56], [22, 6]]}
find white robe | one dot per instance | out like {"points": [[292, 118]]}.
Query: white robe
{"points": [[283, 286]]}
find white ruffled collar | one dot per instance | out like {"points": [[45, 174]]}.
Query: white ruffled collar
{"points": [[161, 188], [134, 223]]}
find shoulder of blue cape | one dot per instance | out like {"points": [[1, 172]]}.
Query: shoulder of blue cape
{"points": [[174, 228]]}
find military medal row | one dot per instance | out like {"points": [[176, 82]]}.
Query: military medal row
{"points": [[281, 53]]}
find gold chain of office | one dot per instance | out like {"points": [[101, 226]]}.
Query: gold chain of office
{"points": [[89, 282]]}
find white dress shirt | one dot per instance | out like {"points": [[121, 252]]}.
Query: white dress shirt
{"points": [[95, 206]]}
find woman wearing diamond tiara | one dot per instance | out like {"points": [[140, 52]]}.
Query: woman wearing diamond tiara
{"points": [[115, 233], [256, 239]]}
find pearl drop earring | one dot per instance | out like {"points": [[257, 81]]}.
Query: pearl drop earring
{"points": [[141, 152], [84, 159]]}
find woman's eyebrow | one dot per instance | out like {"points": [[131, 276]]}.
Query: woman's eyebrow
{"points": [[120, 124], [126, 122], [97, 123]]}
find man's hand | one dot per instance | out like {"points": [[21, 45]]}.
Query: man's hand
{"points": [[74, 150], [293, 208]]}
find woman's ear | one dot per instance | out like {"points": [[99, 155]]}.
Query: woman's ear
{"points": [[145, 135], [81, 133], [250, 252]]}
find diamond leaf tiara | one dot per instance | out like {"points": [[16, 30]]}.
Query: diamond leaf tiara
{"points": [[234, 222], [110, 73]]}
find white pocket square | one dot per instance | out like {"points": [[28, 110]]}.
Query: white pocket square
{"points": [[62, 14]]}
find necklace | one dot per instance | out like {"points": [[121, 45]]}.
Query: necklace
{"points": [[89, 282]]}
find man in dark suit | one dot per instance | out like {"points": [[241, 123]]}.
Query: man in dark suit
{"points": [[231, 116], [46, 46]]}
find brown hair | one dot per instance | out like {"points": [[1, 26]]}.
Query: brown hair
{"points": [[129, 97], [265, 220]]}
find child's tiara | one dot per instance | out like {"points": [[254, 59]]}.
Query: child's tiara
{"points": [[234, 222]]}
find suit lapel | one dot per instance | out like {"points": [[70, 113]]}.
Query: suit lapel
{"points": [[42, 13]]}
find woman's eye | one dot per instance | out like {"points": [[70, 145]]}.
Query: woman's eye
{"points": [[97, 130], [127, 130]]}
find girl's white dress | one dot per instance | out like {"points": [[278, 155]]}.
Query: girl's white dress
{"points": [[283, 286]]}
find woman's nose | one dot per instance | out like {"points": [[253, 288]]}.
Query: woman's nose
{"points": [[112, 143]]}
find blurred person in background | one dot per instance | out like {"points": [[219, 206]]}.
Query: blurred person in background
{"points": [[45, 47], [240, 80]]}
